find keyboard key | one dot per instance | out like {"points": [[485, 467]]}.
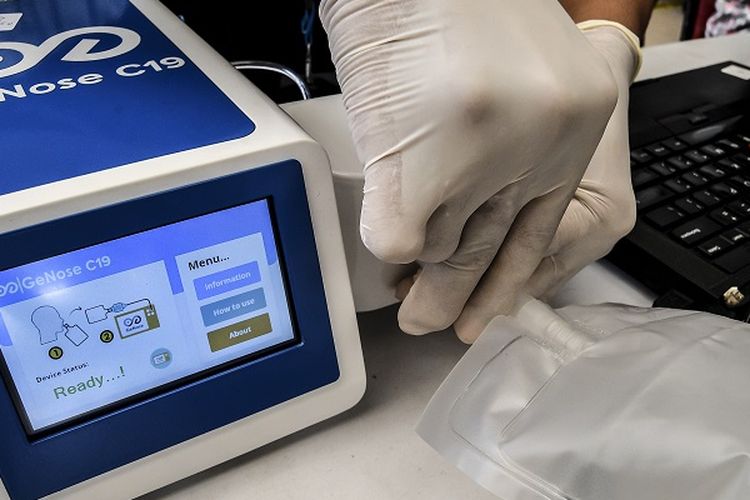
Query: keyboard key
{"points": [[710, 132], [675, 144], [714, 246], [658, 150], [735, 236], [640, 156], [695, 179], [712, 171], [652, 195], [643, 176], [696, 157], [740, 207], [741, 181], [734, 260], [723, 190], [706, 198], [688, 205], [714, 151], [729, 144], [695, 231], [681, 163], [742, 159], [663, 169], [729, 164], [664, 216], [742, 138], [725, 217], [677, 185]]}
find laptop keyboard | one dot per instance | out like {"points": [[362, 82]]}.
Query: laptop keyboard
{"points": [[698, 195]]}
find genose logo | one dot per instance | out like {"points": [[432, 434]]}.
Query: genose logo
{"points": [[83, 51], [10, 288]]}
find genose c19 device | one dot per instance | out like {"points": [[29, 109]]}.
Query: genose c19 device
{"points": [[173, 286]]}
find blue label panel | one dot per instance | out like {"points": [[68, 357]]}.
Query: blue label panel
{"points": [[91, 84]]}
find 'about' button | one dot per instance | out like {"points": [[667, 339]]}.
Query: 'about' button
{"points": [[239, 332]]}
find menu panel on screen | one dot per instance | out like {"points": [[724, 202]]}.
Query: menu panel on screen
{"points": [[86, 329]]}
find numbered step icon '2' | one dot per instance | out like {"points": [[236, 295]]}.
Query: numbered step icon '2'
{"points": [[107, 336]]}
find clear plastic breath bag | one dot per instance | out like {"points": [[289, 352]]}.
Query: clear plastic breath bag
{"points": [[600, 402]]}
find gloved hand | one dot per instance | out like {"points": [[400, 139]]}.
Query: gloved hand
{"points": [[603, 208], [475, 121]]}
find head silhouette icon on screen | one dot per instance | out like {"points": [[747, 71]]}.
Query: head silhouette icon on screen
{"points": [[48, 323]]}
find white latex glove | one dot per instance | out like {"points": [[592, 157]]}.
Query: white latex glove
{"points": [[475, 120], [603, 208]]}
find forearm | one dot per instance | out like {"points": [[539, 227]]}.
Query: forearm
{"points": [[634, 14]]}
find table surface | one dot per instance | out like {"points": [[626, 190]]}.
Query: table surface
{"points": [[372, 451]]}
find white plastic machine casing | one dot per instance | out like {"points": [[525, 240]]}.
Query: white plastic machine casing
{"points": [[276, 138], [373, 281]]}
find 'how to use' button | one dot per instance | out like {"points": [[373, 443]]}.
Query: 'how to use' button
{"points": [[233, 307]]}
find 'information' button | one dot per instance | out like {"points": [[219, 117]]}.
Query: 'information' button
{"points": [[226, 280], [239, 332]]}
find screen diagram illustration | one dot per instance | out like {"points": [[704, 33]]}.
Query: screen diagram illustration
{"points": [[50, 325], [131, 318]]}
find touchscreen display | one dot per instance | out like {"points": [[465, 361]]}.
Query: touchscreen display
{"points": [[92, 327]]}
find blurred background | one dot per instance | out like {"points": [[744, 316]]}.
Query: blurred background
{"points": [[289, 35], [666, 23]]}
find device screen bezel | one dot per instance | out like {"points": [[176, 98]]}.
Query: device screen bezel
{"points": [[120, 436], [106, 408]]}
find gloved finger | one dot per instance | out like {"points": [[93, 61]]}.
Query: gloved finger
{"points": [[573, 227], [394, 216], [555, 270], [584, 238], [404, 286], [518, 258], [571, 249], [444, 231], [442, 289]]}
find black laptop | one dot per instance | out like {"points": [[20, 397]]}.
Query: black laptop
{"points": [[690, 158]]}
